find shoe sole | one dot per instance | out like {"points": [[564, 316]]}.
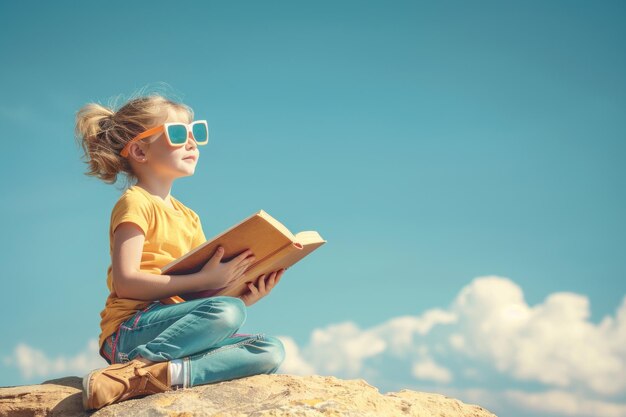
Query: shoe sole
{"points": [[86, 393]]}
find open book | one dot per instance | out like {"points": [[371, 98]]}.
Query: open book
{"points": [[272, 244]]}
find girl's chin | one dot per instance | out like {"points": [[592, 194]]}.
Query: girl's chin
{"points": [[186, 172], [188, 168]]}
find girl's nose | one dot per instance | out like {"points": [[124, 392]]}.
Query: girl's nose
{"points": [[191, 140]]}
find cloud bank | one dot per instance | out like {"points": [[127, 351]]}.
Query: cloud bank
{"points": [[488, 337], [33, 362]]}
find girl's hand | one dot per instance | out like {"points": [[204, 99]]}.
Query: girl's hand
{"points": [[217, 274], [264, 285]]}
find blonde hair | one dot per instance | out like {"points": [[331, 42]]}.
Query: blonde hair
{"points": [[103, 132]]}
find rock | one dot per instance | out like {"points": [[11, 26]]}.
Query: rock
{"points": [[59, 397], [261, 395]]}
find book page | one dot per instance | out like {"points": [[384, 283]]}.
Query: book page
{"points": [[278, 225], [308, 237]]}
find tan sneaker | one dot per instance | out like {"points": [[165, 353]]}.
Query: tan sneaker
{"points": [[123, 381]]}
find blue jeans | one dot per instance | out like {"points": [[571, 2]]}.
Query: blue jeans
{"points": [[202, 333]]}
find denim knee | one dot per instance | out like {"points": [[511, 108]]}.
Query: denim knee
{"points": [[231, 311], [275, 353]]}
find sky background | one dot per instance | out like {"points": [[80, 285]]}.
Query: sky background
{"points": [[463, 160]]}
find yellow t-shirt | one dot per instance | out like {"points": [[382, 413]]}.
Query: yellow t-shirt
{"points": [[169, 234]]}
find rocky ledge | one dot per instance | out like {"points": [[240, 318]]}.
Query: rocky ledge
{"points": [[260, 395]]}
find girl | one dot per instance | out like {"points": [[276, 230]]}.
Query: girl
{"points": [[153, 347]]}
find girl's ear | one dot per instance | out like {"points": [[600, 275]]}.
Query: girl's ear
{"points": [[137, 153]]}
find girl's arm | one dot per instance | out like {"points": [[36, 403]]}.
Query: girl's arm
{"points": [[130, 282]]}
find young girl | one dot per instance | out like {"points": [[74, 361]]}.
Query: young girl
{"points": [[153, 347]]}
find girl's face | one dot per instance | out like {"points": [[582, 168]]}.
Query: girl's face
{"points": [[167, 161]]}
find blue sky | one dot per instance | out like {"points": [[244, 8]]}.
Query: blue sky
{"points": [[463, 161]]}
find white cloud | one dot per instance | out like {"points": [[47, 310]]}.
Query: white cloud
{"points": [[341, 349], [565, 403], [553, 343], [402, 334], [428, 369], [33, 362], [294, 364]]}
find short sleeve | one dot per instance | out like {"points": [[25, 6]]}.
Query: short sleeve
{"points": [[132, 208], [199, 237]]}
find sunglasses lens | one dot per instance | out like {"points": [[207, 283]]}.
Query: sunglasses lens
{"points": [[177, 134], [200, 133]]}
